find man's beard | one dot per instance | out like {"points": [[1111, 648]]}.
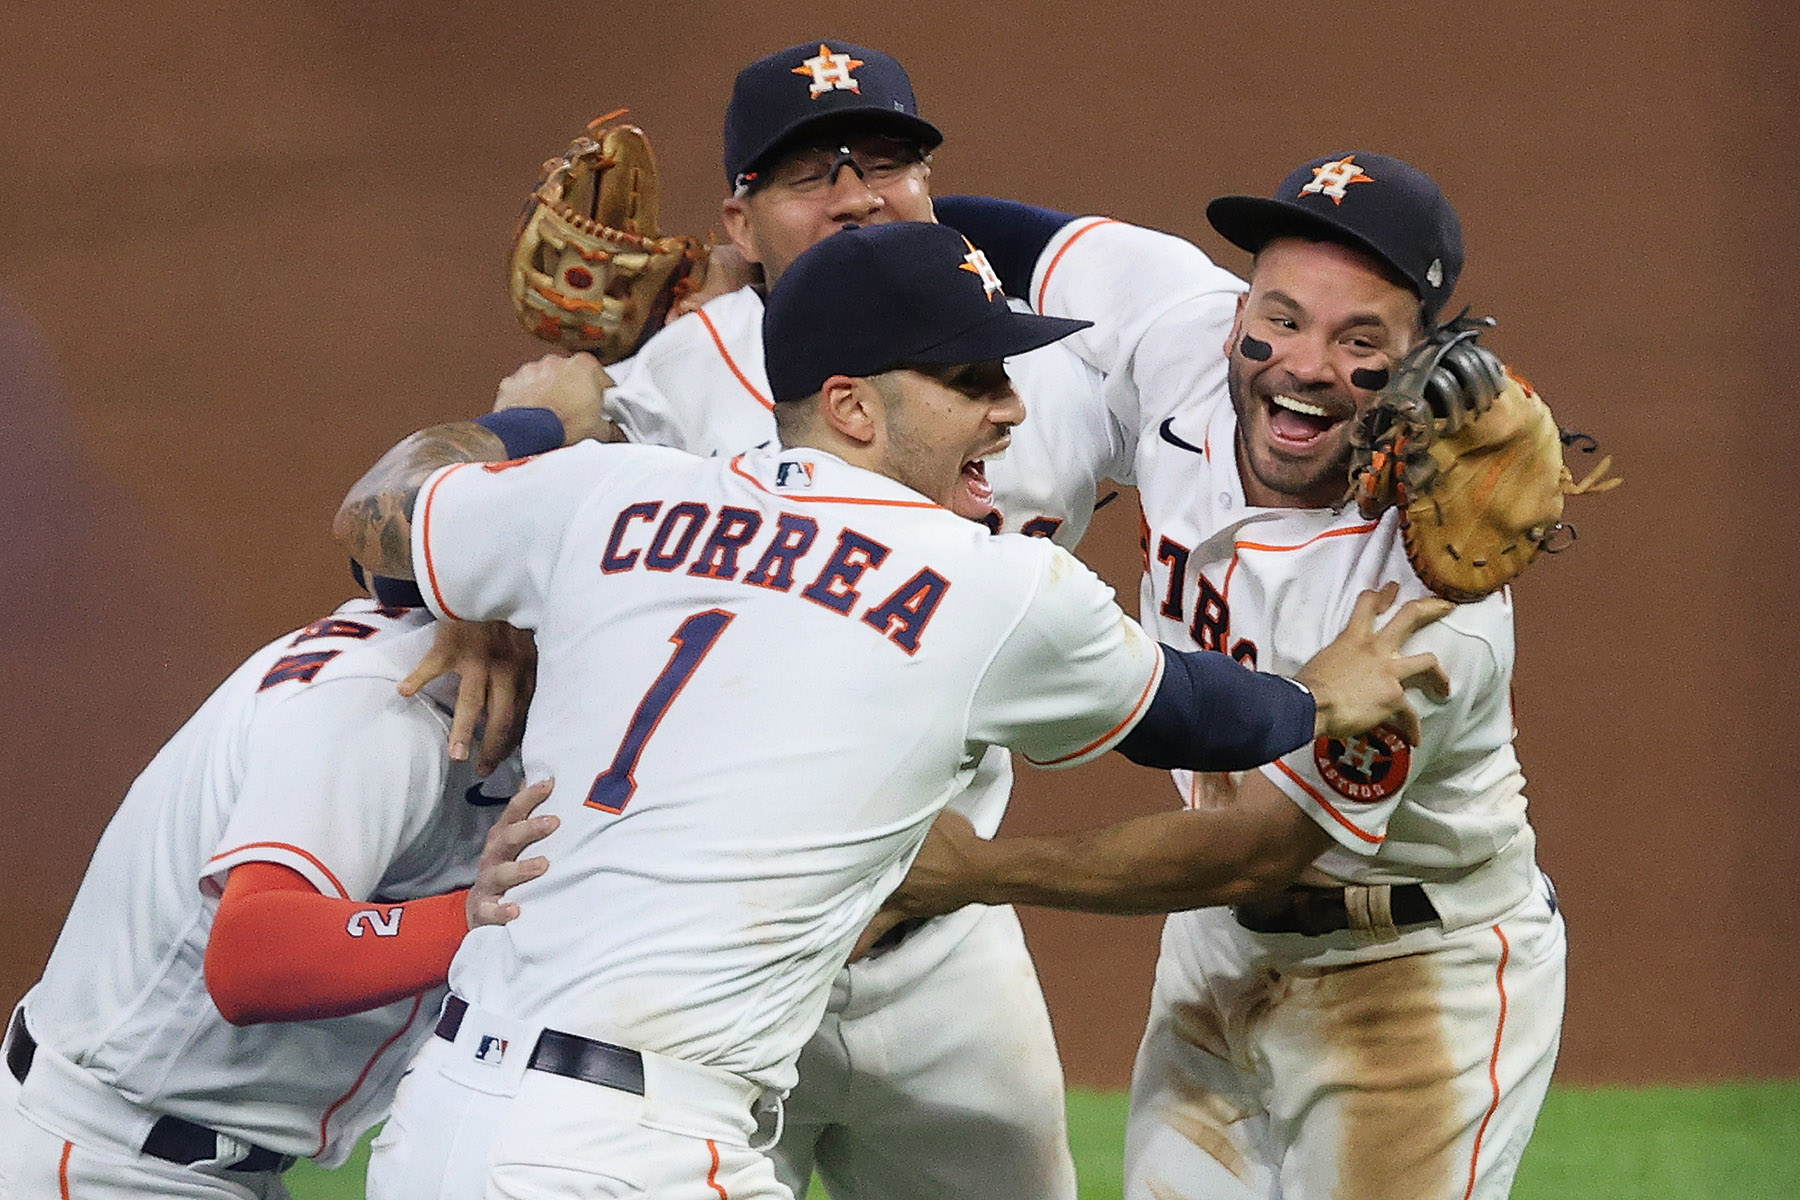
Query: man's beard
{"points": [[1304, 481]]}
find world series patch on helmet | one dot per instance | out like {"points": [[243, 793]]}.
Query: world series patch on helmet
{"points": [[1473, 459], [589, 270]]}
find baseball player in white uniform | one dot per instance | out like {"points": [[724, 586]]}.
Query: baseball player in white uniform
{"points": [[263, 935], [1387, 1026], [760, 678], [895, 1100]]}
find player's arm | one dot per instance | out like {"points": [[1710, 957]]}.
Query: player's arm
{"points": [[281, 951], [1210, 713], [1173, 861], [1075, 677], [374, 523], [1250, 840], [548, 382], [1165, 862]]}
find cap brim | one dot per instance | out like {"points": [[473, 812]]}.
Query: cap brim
{"points": [[1252, 222], [1006, 334], [904, 125]]}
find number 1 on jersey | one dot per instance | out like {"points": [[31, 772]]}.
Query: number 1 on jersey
{"points": [[693, 640]]}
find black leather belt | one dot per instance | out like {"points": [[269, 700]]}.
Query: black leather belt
{"points": [[565, 1054], [1314, 911], [172, 1139], [21, 1048], [175, 1140]]}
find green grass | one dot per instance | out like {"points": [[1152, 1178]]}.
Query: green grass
{"points": [[1727, 1142], [1733, 1141]]}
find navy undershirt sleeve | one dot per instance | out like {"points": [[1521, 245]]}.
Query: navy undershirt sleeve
{"points": [[1011, 234], [392, 593], [1211, 713]]}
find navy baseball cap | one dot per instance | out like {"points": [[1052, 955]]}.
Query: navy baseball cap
{"points": [[871, 298], [779, 97], [1379, 204]]}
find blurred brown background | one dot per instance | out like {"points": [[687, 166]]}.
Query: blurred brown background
{"points": [[246, 248]]}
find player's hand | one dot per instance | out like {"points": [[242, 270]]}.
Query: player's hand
{"points": [[572, 386], [726, 270], [500, 869], [935, 884], [879, 926], [1359, 681], [497, 668]]}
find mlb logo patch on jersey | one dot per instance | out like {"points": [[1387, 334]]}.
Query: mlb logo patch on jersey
{"points": [[490, 1050], [1366, 769], [793, 475]]}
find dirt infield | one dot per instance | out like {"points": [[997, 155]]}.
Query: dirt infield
{"points": [[246, 249]]}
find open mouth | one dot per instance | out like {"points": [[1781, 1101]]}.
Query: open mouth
{"points": [[1296, 424], [977, 492], [974, 496]]}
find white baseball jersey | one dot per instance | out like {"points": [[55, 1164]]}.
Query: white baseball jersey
{"points": [[700, 385], [1271, 586], [307, 757], [760, 679]]}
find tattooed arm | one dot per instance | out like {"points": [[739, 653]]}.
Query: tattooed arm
{"points": [[375, 521]]}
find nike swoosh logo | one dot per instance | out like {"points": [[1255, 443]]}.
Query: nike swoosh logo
{"points": [[481, 799], [1168, 435]]}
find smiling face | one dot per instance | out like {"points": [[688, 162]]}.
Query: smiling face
{"points": [[939, 424], [811, 191], [1324, 311]]}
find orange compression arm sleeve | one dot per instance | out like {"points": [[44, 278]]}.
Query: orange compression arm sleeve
{"points": [[280, 951]]}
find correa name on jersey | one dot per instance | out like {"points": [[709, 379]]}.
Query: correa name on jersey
{"points": [[652, 535]]}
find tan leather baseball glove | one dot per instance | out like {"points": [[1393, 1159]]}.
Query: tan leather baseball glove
{"points": [[589, 271], [1472, 457]]}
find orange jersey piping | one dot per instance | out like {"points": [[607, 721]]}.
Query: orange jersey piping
{"points": [[1057, 257], [1237, 548], [367, 1067], [1131, 718], [1493, 1061], [342, 894], [1374, 839], [731, 362], [425, 538], [712, 1174]]}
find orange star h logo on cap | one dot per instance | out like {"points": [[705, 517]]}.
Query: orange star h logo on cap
{"points": [[1334, 178], [830, 72], [977, 262]]}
